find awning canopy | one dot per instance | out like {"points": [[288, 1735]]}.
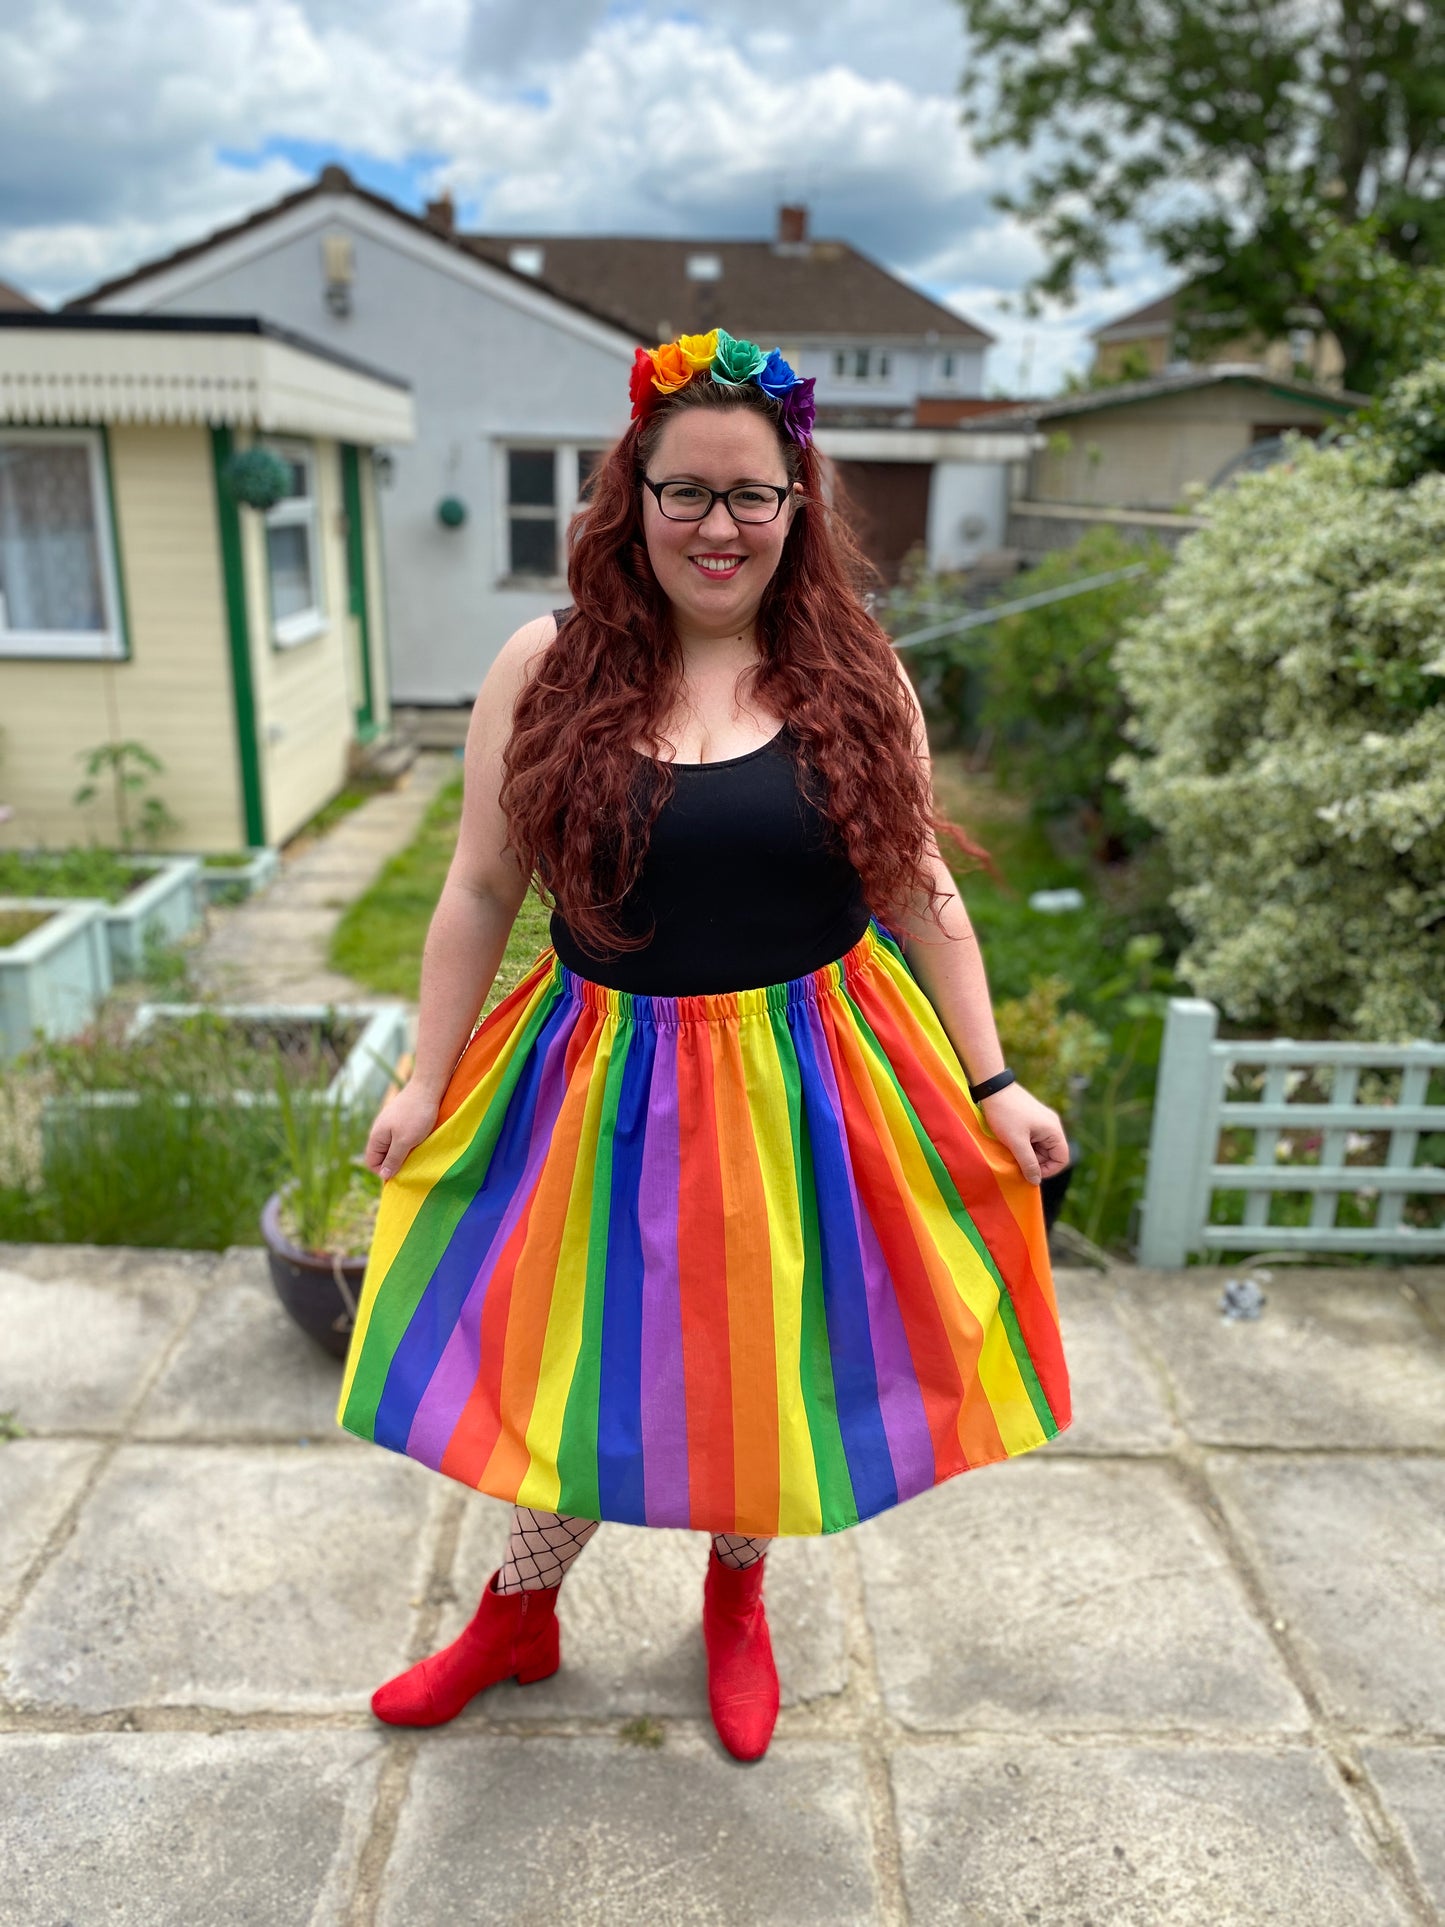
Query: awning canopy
{"points": [[193, 369]]}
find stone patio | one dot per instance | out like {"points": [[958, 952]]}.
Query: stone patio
{"points": [[1184, 1665]]}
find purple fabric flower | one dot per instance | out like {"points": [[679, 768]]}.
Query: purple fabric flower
{"points": [[799, 411]]}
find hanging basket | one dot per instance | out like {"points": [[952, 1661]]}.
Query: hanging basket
{"points": [[451, 512], [256, 477]]}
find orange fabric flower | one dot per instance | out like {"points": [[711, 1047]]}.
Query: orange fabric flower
{"points": [[673, 368]]}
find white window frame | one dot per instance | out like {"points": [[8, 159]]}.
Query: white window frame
{"points": [[877, 365], [304, 511], [565, 495], [77, 645]]}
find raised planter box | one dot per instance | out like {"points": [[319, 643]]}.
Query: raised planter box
{"points": [[52, 981], [234, 882], [363, 1078], [366, 1072], [166, 908]]}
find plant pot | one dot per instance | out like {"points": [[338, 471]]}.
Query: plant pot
{"points": [[1055, 1185], [319, 1289]]}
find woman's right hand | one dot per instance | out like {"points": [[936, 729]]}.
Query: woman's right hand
{"points": [[401, 1124]]}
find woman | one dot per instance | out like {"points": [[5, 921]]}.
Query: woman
{"points": [[705, 1225]]}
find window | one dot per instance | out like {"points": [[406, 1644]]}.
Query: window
{"points": [[945, 367], [543, 485], [861, 364], [532, 511], [58, 594], [293, 552]]}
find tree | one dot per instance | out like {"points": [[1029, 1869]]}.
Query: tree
{"points": [[1289, 720], [1217, 128]]}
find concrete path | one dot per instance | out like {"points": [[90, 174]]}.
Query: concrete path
{"points": [[272, 947], [1185, 1665]]}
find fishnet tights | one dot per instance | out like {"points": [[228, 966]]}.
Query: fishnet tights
{"points": [[540, 1548], [542, 1545]]}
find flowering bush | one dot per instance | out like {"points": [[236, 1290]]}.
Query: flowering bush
{"points": [[1289, 710]]}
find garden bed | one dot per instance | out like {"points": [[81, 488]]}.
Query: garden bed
{"points": [[148, 900], [55, 969]]}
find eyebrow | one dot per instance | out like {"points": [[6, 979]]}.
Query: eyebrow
{"points": [[686, 475]]}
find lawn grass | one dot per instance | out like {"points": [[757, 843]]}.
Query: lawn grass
{"points": [[380, 937]]}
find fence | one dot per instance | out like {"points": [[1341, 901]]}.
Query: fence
{"points": [[1193, 1107]]}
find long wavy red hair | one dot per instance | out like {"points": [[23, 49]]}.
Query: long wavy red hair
{"points": [[827, 667]]}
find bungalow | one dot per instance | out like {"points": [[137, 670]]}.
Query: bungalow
{"points": [[519, 353], [161, 584]]}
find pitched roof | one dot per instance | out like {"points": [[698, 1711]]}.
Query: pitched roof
{"points": [[1153, 316], [331, 180], [765, 291], [1338, 401], [12, 301]]}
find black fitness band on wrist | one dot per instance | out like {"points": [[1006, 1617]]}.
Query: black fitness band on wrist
{"points": [[991, 1084]]}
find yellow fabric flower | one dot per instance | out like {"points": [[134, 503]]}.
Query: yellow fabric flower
{"points": [[698, 350]]}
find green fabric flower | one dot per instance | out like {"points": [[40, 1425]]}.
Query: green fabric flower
{"points": [[736, 361]]}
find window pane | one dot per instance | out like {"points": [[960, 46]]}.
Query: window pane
{"points": [[534, 545], [49, 549], [883, 367], [860, 364], [531, 477], [300, 484], [288, 554], [840, 363]]}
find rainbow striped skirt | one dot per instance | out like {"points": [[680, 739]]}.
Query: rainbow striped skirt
{"points": [[747, 1263]]}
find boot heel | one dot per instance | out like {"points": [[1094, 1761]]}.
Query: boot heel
{"points": [[543, 1660]]}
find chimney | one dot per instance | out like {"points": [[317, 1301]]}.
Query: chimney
{"points": [[792, 227], [441, 214]]}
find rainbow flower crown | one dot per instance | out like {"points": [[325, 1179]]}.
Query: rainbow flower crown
{"points": [[661, 371]]}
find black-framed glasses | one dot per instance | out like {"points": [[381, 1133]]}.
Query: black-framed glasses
{"points": [[692, 502]]}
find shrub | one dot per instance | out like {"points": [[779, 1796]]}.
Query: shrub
{"points": [[1051, 694], [1290, 727]]}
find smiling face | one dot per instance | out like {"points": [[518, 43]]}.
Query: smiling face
{"points": [[714, 572]]}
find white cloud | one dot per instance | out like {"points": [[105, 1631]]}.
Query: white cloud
{"points": [[593, 115]]}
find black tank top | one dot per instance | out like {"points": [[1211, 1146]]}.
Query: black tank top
{"points": [[744, 875]]}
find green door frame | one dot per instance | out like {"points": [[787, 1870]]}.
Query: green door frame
{"points": [[356, 578], [238, 629]]}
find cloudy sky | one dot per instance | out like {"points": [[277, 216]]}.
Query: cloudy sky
{"points": [[128, 127]]}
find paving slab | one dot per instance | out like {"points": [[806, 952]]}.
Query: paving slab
{"points": [[631, 1613], [232, 1577], [38, 1480], [1108, 1836], [1073, 1595], [597, 1831], [1118, 1404], [1337, 1357], [1411, 1782], [244, 1369], [183, 1829], [1352, 1552], [81, 1336]]}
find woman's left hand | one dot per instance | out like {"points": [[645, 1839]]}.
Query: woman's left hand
{"points": [[1030, 1129]]}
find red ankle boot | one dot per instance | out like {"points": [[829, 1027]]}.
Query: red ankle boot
{"points": [[742, 1681], [511, 1635]]}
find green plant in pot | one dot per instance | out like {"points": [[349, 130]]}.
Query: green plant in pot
{"points": [[1055, 1054], [319, 1224]]}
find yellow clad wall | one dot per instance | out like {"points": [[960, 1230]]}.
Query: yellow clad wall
{"points": [[173, 695], [175, 692]]}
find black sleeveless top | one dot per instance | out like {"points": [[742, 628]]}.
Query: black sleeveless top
{"points": [[744, 875]]}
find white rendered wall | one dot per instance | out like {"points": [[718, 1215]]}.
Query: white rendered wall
{"points": [[489, 362]]}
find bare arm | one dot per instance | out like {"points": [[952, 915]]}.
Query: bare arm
{"points": [[485, 887], [473, 919], [948, 965]]}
